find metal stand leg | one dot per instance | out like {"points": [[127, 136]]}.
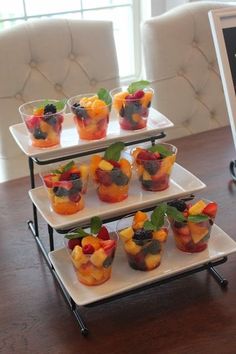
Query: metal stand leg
{"points": [[32, 183], [51, 240], [220, 280], [232, 166]]}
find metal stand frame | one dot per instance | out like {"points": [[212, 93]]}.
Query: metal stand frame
{"points": [[232, 167], [33, 226]]}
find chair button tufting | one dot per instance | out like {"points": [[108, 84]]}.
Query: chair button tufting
{"points": [[71, 56], [93, 82], [194, 44], [58, 87], [186, 123], [212, 114], [18, 96], [181, 72], [32, 64]]}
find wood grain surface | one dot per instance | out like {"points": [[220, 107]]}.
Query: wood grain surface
{"points": [[191, 315]]}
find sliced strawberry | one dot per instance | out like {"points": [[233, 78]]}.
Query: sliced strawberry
{"points": [[88, 249], [114, 163], [33, 122], [147, 155], [63, 184], [210, 209], [138, 94], [108, 245], [65, 176], [74, 242], [75, 197], [103, 233], [103, 177], [48, 180]]}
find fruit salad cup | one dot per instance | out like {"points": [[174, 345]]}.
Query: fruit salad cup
{"points": [[43, 120], [92, 255], [154, 165], [91, 116], [111, 175], [65, 186], [132, 108], [192, 234], [143, 247]]}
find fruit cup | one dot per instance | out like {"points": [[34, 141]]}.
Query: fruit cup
{"points": [[65, 186], [112, 175], [91, 115], [92, 255], [154, 165], [192, 234], [43, 120], [132, 109], [143, 247]]}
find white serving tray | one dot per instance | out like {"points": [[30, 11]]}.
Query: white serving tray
{"points": [[71, 144], [125, 278], [182, 183]]}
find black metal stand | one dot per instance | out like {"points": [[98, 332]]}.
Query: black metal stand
{"points": [[33, 226], [232, 167]]}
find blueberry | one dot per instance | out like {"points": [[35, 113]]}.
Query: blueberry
{"points": [[141, 236], [152, 166], [38, 134], [76, 186], [118, 177], [60, 191]]}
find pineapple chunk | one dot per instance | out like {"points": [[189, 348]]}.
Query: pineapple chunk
{"points": [[152, 260], [131, 247], [197, 232], [84, 171], [126, 234], [98, 257], [105, 165], [160, 235], [197, 208], [146, 176]]}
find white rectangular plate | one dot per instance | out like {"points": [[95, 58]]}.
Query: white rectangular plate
{"points": [[182, 183], [125, 278], [71, 144]]}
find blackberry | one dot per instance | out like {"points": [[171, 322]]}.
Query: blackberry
{"points": [[153, 247], [79, 111], [50, 108], [141, 235], [179, 204], [38, 134]]}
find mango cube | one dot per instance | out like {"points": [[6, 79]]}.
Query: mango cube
{"points": [[197, 208], [98, 257], [152, 260], [131, 247]]}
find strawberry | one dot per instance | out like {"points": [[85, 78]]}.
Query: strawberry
{"points": [[210, 209], [114, 163], [75, 197], [138, 94], [103, 233], [63, 184], [74, 242], [147, 155], [48, 180], [108, 245], [88, 249], [103, 177]]}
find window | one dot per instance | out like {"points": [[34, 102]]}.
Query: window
{"points": [[123, 13]]}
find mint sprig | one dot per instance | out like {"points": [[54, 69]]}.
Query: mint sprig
{"points": [[113, 152], [64, 168], [161, 149], [138, 85], [105, 96], [96, 224], [197, 218], [78, 233], [59, 105], [157, 218]]}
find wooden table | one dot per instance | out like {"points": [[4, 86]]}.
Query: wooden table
{"points": [[189, 315]]}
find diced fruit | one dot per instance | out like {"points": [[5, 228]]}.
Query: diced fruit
{"points": [[105, 165], [91, 240], [77, 252], [139, 220], [126, 234], [160, 235], [108, 245], [103, 234], [98, 257], [197, 232], [210, 209], [74, 242], [95, 160], [131, 247], [146, 176], [88, 249], [50, 179], [197, 208], [152, 261]]}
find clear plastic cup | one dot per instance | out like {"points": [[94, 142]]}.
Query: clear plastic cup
{"points": [[143, 248], [43, 121], [66, 190], [192, 236], [112, 177], [91, 116], [132, 110], [93, 268], [154, 172]]}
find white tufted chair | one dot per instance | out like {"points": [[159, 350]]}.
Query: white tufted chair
{"points": [[52, 58], [181, 63]]}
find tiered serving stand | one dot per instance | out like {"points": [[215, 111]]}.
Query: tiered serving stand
{"points": [[124, 280]]}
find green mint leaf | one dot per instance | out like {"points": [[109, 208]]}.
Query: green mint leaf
{"points": [[175, 214], [57, 172], [138, 85], [96, 224], [60, 105], [158, 215], [79, 233], [105, 96], [197, 218], [113, 151], [161, 149], [148, 225], [68, 166]]}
